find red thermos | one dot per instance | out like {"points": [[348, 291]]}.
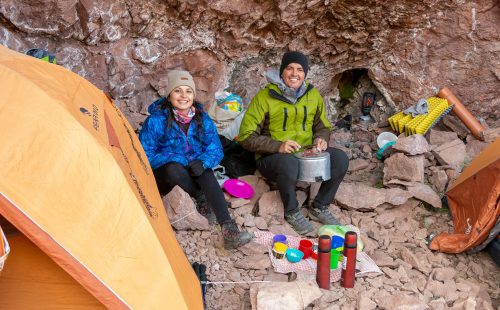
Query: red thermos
{"points": [[349, 262], [323, 267]]}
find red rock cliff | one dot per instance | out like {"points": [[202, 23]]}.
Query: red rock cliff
{"points": [[410, 48]]}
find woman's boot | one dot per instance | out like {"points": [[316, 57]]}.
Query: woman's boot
{"points": [[204, 208], [233, 237]]}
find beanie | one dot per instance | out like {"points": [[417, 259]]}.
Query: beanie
{"points": [[177, 78], [294, 57]]}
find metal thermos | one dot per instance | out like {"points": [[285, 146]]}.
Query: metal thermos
{"points": [[349, 262], [323, 267]]}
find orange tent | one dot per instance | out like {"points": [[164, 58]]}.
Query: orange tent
{"points": [[474, 201], [76, 184]]}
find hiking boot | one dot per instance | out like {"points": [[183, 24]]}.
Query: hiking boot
{"points": [[204, 209], [233, 237], [323, 215], [299, 223]]}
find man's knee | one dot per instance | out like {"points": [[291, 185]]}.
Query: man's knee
{"points": [[288, 165], [278, 164]]}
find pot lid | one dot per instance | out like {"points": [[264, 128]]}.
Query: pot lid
{"points": [[320, 155]]}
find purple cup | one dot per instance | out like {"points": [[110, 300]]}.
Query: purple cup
{"points": [[279, 238]]}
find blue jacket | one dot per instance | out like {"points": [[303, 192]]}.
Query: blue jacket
{"points": [[164, 144]]}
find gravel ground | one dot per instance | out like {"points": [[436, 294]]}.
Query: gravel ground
{"points": [[413, 276]]}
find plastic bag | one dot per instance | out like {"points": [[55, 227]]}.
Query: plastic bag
{"points": [[232, 131], [220, 174], [222, 118], [229, 101], [338, 230]]}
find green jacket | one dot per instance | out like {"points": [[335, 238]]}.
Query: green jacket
{"points": [[272, 119]]}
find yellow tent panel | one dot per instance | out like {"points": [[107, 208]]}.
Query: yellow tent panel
{"points": [[76, 182]]}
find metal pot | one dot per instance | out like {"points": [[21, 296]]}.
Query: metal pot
{"points": [[314, 167]]}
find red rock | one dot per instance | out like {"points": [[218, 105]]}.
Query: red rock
{"points": [[412, 145], [473, 148], [425, 193], [438, 137], [451, 153], [401, 300], [439, 179], [358, 164], [224, 49], [406, 168], [288, 295], [360, 196], [181, 211], [258, 261]]}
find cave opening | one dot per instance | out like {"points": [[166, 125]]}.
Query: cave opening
{"points": [[352, 88]]}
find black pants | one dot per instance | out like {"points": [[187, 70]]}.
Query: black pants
{"points": [[172, 174], [284, 170]]}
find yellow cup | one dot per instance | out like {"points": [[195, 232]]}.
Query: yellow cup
{"points": [[279, 250]]}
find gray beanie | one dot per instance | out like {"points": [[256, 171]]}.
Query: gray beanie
{"points": [[179, 78]]}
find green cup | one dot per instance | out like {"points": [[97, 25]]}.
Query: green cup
{"points": [[334, 258], [341, 253]]}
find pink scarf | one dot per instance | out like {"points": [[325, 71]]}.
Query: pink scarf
{"points": [[183, 118]]}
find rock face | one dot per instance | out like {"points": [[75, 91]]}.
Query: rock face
{"points": [[127, 47]]}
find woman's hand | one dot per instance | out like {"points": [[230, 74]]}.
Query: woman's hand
{"points": [[196, 168], [321, 144], [289, 146]]}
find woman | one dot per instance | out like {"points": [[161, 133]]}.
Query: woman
{"points": [[182, 146]]}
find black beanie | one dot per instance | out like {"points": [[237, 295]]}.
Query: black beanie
{"points": [[294, 57]]}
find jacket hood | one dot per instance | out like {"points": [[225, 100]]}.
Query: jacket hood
{"points": [[273, 76], [155, 107]]}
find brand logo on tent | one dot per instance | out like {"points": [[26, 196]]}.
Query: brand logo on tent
{"points": [[95, 117], [94, 114], [85, 111]]}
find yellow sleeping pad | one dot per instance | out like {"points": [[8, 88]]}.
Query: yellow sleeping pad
{"points": [[420, 124]]}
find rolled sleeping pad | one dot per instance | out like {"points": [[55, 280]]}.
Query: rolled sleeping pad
{"points": [[462, 113]]}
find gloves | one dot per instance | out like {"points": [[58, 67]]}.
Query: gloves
{"points": [[196, 168]]}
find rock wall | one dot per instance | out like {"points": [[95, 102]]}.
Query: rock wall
{"points": [[410, 48]]}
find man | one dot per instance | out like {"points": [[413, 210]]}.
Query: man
{"points": [[287, 114]]}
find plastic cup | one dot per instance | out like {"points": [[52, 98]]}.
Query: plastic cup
{"points": [[337, 242], [279, 250], [305, 246], [334, 259], [279, 238]]}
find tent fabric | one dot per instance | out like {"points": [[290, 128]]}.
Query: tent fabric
{"points": [[474, 200], [76, 182], [32, 278]]}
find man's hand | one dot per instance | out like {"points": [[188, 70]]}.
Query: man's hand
{"points": [[289, 146], [321, 144]]}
